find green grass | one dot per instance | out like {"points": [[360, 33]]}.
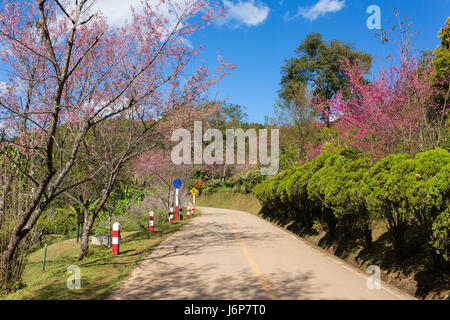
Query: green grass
{"points": [[100, 271], [227, 199]]}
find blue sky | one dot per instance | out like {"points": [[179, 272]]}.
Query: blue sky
{"points": [[258, 40], [258, 35]]}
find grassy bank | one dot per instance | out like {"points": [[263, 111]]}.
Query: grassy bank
{"points": [[227, 199], [100, 272], [410, 274]]}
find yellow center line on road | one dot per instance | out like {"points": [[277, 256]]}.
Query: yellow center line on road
{"points": [[256, 270]]}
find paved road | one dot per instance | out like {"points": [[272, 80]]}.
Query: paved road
{"points": [[227, 254]]}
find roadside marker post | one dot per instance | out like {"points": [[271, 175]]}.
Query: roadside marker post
{"points": [[150, 222], [115, 238], [177, 184], [188, 211], [45, 255], [176, 204], [171, 216]]}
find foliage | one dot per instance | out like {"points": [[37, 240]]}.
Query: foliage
{"points": [[388, 115], [348, 190], [214, 183], [228, 115], [335, 186], [247, 179], [61, 221], [441, 63], [156, 172], [318, 64], [384, 202], [83, 74], [440, 240], [400, 110], [441, 54], [294, 115]]}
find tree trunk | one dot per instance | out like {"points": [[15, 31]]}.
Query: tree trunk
{"points": [[16, 237], [87, 226], [7, 255], [4, 194], [110, 230], [330, 220], [84, 247], [368, 238]]}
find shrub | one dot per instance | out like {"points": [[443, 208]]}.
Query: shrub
{"points": [[61, 221], [230, 182], [214, 183], [440, 241], [348, 190], [236, 189], [341, 193], [385, 199], [249, 178], [428, 190]]}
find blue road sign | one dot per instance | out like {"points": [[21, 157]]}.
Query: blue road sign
{"points": [[177, 184]]}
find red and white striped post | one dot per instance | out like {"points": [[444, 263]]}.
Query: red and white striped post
{"points": [[115, 238], [188, 211], [171, 216], [193, 205], [150, 222], [176, 204]]}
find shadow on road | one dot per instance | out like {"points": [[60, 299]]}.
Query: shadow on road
{"points": [[165, 280], [192, 282]]}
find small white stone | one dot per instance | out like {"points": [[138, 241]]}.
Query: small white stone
{"points": [[100, 240]]}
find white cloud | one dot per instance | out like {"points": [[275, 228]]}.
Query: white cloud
{"points": [[3, 87], [321, 8], [119, 11], [249, 13]]}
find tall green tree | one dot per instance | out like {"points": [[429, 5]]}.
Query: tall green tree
{"points": [[441, 62], [441, 54], [229, 115], [296, 118], [317, 64]]}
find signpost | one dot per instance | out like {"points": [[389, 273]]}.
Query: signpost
{"points": [[177, 184], [194, 191]]}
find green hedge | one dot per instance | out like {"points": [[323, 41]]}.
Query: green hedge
{"points": [[245, 181], [349, 190]]}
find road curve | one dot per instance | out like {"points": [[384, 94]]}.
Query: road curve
{"points": [[227, 254]]}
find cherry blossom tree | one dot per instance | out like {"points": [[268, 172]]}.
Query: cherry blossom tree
{"points": [[69, 71], [396, 112], [389, 115], [156, 169]]}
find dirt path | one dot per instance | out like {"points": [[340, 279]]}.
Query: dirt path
{"points": [[228, 254]]}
